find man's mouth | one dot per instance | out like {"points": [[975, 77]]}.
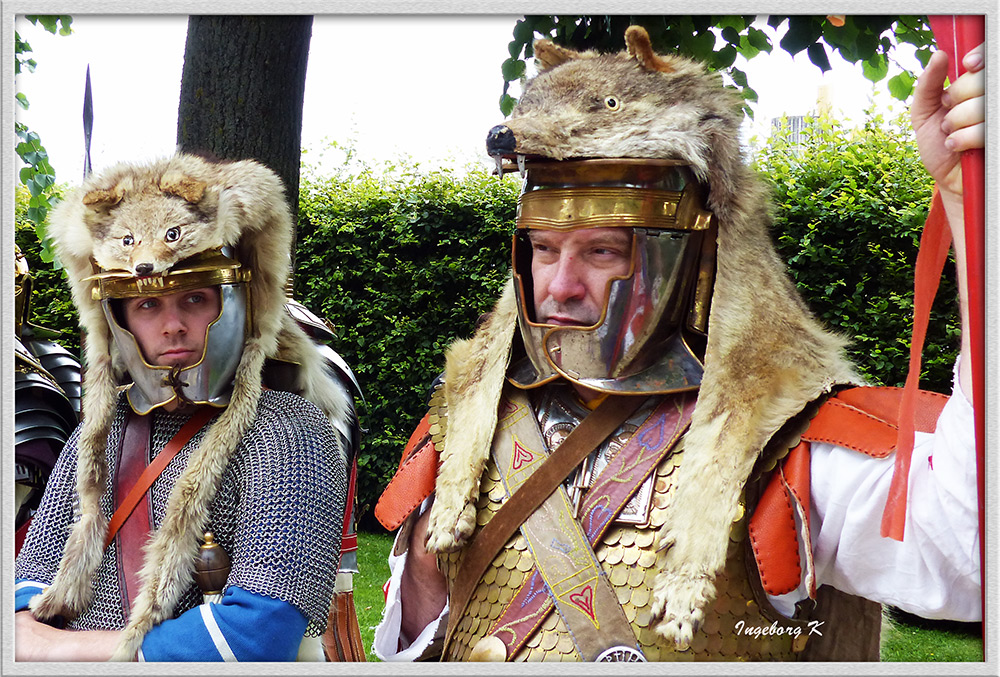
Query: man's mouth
{"points": [[176, 354], [565, 321]]}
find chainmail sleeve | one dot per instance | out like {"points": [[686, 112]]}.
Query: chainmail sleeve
{"points": [[280, 508], [39, 557]]}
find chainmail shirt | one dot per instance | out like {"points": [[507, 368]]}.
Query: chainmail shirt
{"points": [[277, 512]]}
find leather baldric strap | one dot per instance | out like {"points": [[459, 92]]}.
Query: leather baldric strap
{"points": [[153, 470], [582, 440], [413, 481], [655, 438]]}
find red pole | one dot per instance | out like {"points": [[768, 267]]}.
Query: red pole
{"points": [[956, 35]]}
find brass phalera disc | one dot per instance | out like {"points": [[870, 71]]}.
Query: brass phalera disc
{"points": [[489, 649]]}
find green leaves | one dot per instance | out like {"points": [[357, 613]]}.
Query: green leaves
{"points": [[53, 23], [51, 300], [38, 176], [875, 68], [512, 69], [802, 32], [901, 85], [817, 55]]}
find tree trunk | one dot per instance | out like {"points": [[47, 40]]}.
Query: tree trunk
{"points": [[242, 90]]}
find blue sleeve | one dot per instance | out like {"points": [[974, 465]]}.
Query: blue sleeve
{"points": [[24, 590], [243, 626]]}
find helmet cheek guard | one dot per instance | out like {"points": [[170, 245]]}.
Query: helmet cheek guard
{"points": [[639, 343]]}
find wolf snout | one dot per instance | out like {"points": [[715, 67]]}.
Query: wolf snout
{"points": [[144, 269], [500, 140]]}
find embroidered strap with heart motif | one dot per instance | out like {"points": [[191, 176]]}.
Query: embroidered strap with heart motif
{"points": [[573, 577], [535, 489], [611, 491]]}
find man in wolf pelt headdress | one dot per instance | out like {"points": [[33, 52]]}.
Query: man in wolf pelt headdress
{"points": [[649, 449], [196, 512]]}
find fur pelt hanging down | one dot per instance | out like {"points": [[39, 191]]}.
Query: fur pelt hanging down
{"points": [[241, 204], [766, 355]]}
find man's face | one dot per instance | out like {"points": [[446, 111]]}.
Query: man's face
{"points": [[171, 329], [571, 270]]}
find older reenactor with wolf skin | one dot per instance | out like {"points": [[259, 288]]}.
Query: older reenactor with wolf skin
{"points": [[649, 450], [226, 545]]}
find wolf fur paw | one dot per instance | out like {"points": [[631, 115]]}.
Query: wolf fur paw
{"points": [[44, 607], [679, 600], [448, 531]]}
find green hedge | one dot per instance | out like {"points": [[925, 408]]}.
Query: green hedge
{"points": [[850, 208], [51, 300], [401, 265]]}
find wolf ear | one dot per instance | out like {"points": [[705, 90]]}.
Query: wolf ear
{"points": [[176, 183], [105, 197], [640, 47], [549, 55]]}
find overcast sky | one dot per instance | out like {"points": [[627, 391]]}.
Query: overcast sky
{"points": [[426, 87]]}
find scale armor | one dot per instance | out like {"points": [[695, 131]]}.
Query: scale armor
{"points": [[307, 544], [628, 558]]}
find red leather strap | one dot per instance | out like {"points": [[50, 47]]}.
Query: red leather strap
{"points": [[134, 530], [153, 470], [418, 437], [413, 481], [348, 537], [862, 419], [773, 536], [934, 245], [866, 419]]}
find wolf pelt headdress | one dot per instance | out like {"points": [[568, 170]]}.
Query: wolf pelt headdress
{"points": [[766, 356], [215, 204]]}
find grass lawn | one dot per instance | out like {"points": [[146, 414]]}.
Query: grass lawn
{"points": [[904, 638]]}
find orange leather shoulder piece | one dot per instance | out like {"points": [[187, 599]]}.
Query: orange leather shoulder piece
{"points": [[413, 481], [866, 419], [773, 536], [416, 438]]}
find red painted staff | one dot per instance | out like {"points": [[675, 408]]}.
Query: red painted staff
{"points": [[955, 35]]}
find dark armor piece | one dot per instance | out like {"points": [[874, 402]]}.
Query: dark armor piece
{"points": [[47, 390]]}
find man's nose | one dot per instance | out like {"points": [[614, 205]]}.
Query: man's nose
{"points": [[173, 321], [567, 284]]}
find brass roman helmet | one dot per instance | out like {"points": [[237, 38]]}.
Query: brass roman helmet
{"points": [[210, 379], [651, 315]]}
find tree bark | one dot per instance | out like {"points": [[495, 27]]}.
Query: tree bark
{"points": [[242, 90]]}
